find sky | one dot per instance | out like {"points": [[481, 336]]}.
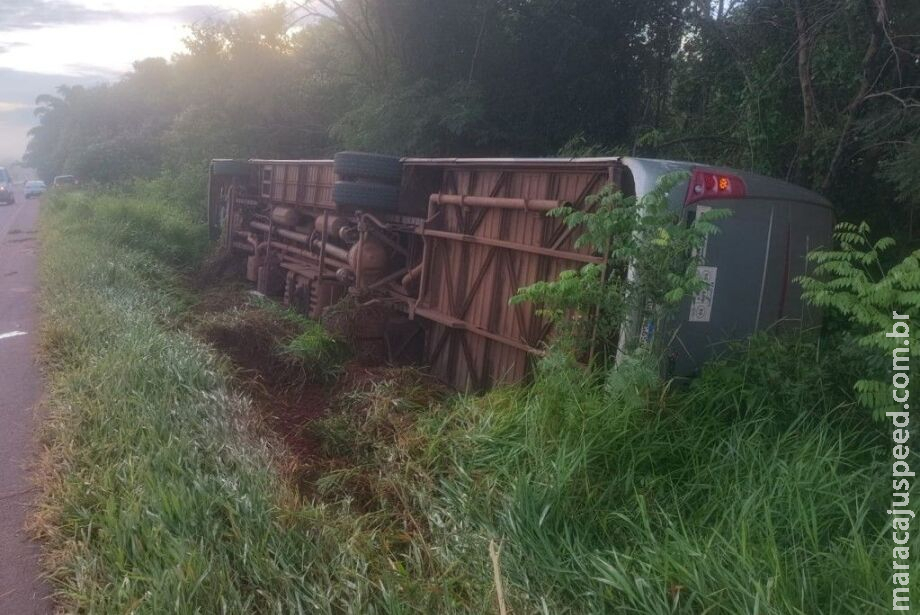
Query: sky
{"points": [[47, 43]]}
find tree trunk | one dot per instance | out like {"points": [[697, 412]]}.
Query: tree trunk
{"points": [[804, 41], [876, 19]]}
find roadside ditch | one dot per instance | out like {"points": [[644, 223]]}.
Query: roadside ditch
{"points": [[338, 409]]}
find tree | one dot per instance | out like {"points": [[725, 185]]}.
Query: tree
{"points": [[821, 92]]}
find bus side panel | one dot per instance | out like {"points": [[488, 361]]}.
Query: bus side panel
{"points": [[754, 262], [734, 261]]}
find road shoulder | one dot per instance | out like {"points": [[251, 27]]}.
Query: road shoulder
{"points": [[22, 590]]}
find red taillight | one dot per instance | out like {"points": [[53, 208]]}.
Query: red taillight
{"points": [[712, 185]]}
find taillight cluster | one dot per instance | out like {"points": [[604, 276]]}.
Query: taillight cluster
{"points": [[712, 185]]}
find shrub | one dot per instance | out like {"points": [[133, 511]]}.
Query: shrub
{"points": [[855, 281], [651, 259]]}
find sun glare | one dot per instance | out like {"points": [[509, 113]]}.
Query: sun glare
{"points": [[118, 34]]}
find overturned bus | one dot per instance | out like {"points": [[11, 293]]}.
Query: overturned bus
{"points": [[445, 243]]}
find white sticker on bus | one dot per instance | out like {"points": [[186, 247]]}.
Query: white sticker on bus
{"points": [[701, 308], [700, 210]]}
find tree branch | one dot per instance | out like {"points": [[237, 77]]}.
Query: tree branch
{"points": [[865, 84]]}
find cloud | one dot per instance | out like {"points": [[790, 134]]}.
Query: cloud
{"points": [[32, 14], [28, 14], [5, 47], [93, 71], [198, 12], [8, 107], [24, 86]]}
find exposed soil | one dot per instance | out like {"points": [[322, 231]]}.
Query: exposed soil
{"points": [[248, 337], [292, 415], [218, 270], [293, 407], [220, 299], [289, 416]]}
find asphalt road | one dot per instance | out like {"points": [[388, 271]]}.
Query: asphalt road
{"points": [[22, 592]]}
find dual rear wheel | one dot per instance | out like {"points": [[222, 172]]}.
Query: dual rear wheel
{"points": [[367, 181]]}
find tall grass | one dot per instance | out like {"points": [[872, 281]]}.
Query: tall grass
{"points": [[160, 495], [736, 496], [760, 488]]}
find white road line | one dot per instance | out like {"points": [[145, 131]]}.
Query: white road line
{"points": [[3, 336]]}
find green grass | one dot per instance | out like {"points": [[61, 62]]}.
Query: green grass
{"points": [[760, 488], [274, 343], [160, 496], [732, 497]]}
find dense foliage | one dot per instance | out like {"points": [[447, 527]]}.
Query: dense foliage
{"points": [[821, 92], [855, 281]]}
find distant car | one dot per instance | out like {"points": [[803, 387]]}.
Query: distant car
{"points": [[6, 188], [62, 181], [35, 187]]}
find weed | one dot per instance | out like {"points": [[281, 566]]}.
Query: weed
{"points": [[315, 353], [279, 345]]}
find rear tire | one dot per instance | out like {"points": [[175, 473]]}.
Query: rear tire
{"points": [[385, 169], [365, 196], [238, 168]]}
